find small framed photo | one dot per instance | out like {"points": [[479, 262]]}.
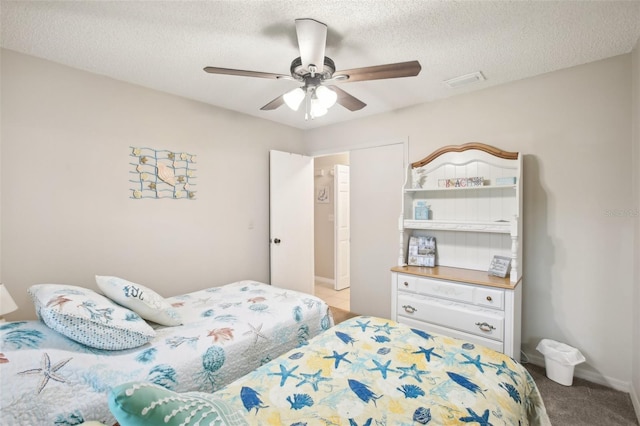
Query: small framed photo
{"points": [[422, 251], [322, 194], [500, 266]]}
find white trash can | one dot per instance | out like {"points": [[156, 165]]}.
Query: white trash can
{"points": [[560, 360]]}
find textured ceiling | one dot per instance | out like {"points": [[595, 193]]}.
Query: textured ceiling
{"points": [[165, 45]]}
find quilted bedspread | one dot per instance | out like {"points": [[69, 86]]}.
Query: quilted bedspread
{"points": [[373, 371], [48, 379]]}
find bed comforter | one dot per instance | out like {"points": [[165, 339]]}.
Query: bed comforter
{"points": [[47, 379], [373, 371]]}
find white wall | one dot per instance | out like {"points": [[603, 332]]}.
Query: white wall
{"points": [[635, 377], [66, 208], [574, 129]]}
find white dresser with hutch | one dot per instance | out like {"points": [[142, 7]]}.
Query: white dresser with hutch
{"points": [[474, 198]]}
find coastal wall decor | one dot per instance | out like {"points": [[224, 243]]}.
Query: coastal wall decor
{"points": [[160, 173]]}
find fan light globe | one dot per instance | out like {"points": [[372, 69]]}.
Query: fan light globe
{"points": [[294, 98], [326, 96], [316, 108]]}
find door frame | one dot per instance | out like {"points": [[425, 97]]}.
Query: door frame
{"points": [[363, 145]]}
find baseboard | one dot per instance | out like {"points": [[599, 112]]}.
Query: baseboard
{"points": [[324, 280], [635, 399], [582, 373]]}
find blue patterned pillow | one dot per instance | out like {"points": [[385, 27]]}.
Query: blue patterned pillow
{"points": [[143, 404], [140, 299], [88, 317]]}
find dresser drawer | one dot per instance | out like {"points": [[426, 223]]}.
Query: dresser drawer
{"points": [[471, 319], [466, 293], [489, 297], [432, 328]]}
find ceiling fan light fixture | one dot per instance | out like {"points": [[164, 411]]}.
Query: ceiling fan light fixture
{"points": [[316, 109], [326, 97], [294, 98]]}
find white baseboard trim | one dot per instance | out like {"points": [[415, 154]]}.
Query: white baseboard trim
{"points": [[590, 376], [324, 280], [635, 399]]}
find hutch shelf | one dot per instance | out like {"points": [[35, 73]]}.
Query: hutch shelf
{"points": [[469, 197]]}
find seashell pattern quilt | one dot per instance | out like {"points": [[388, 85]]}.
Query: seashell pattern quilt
{"points": [[228, 331]]}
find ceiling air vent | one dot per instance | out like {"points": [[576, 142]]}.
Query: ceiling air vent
{"points": [[465, 79]]}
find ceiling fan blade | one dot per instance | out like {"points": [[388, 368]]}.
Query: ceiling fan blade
{"points": [[277, 102], [243, 73], [348, 101], [312, 40], [400, 69]]}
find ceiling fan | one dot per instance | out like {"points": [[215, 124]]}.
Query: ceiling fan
{"points": [[318, 74]]}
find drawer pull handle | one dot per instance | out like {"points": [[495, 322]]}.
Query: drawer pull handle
{"points": [[406, 284], [408, 308], [489, 298], [485, 326]]}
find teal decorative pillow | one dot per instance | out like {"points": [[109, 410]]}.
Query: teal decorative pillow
{"points": [[143, 404], [144, 301], [89, 318]]}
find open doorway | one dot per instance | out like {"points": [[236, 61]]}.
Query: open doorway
{"points": [[331, 230]]}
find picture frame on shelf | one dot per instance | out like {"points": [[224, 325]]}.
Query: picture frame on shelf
{"points": [[422, 251], [500, 266]]}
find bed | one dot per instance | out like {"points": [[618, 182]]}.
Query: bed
{"points": [[228, 331], [364, 371]]}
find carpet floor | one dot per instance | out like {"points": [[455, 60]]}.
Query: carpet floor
{"points": [[582, 404]]}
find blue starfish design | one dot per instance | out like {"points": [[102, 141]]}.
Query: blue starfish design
{"points": [[313, 379], [285, 374], [475, 418], [504, 369], [427, 353], [48, 371], [449, 358], [383, 368], [475, 361], [413, 372], [386, 328], [362, 325], [338, 357]]}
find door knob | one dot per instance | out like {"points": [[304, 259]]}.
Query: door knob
{"points": [[276, 240]]}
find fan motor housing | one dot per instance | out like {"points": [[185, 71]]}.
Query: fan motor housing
{"points": [[303, 74]]}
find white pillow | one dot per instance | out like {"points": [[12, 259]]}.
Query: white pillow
{"points": [[89, 318], [144, 301]]}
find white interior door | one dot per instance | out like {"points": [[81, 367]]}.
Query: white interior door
{"points": [[291, 221], [342, 249]]}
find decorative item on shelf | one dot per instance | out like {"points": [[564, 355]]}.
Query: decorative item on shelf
{"points": [[506, 181], [461, 182], [500, 266], [418, 177], [422, 251], [421, 210], [7, 305]]}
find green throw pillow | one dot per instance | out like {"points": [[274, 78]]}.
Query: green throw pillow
{"points": [[144, 403]]}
